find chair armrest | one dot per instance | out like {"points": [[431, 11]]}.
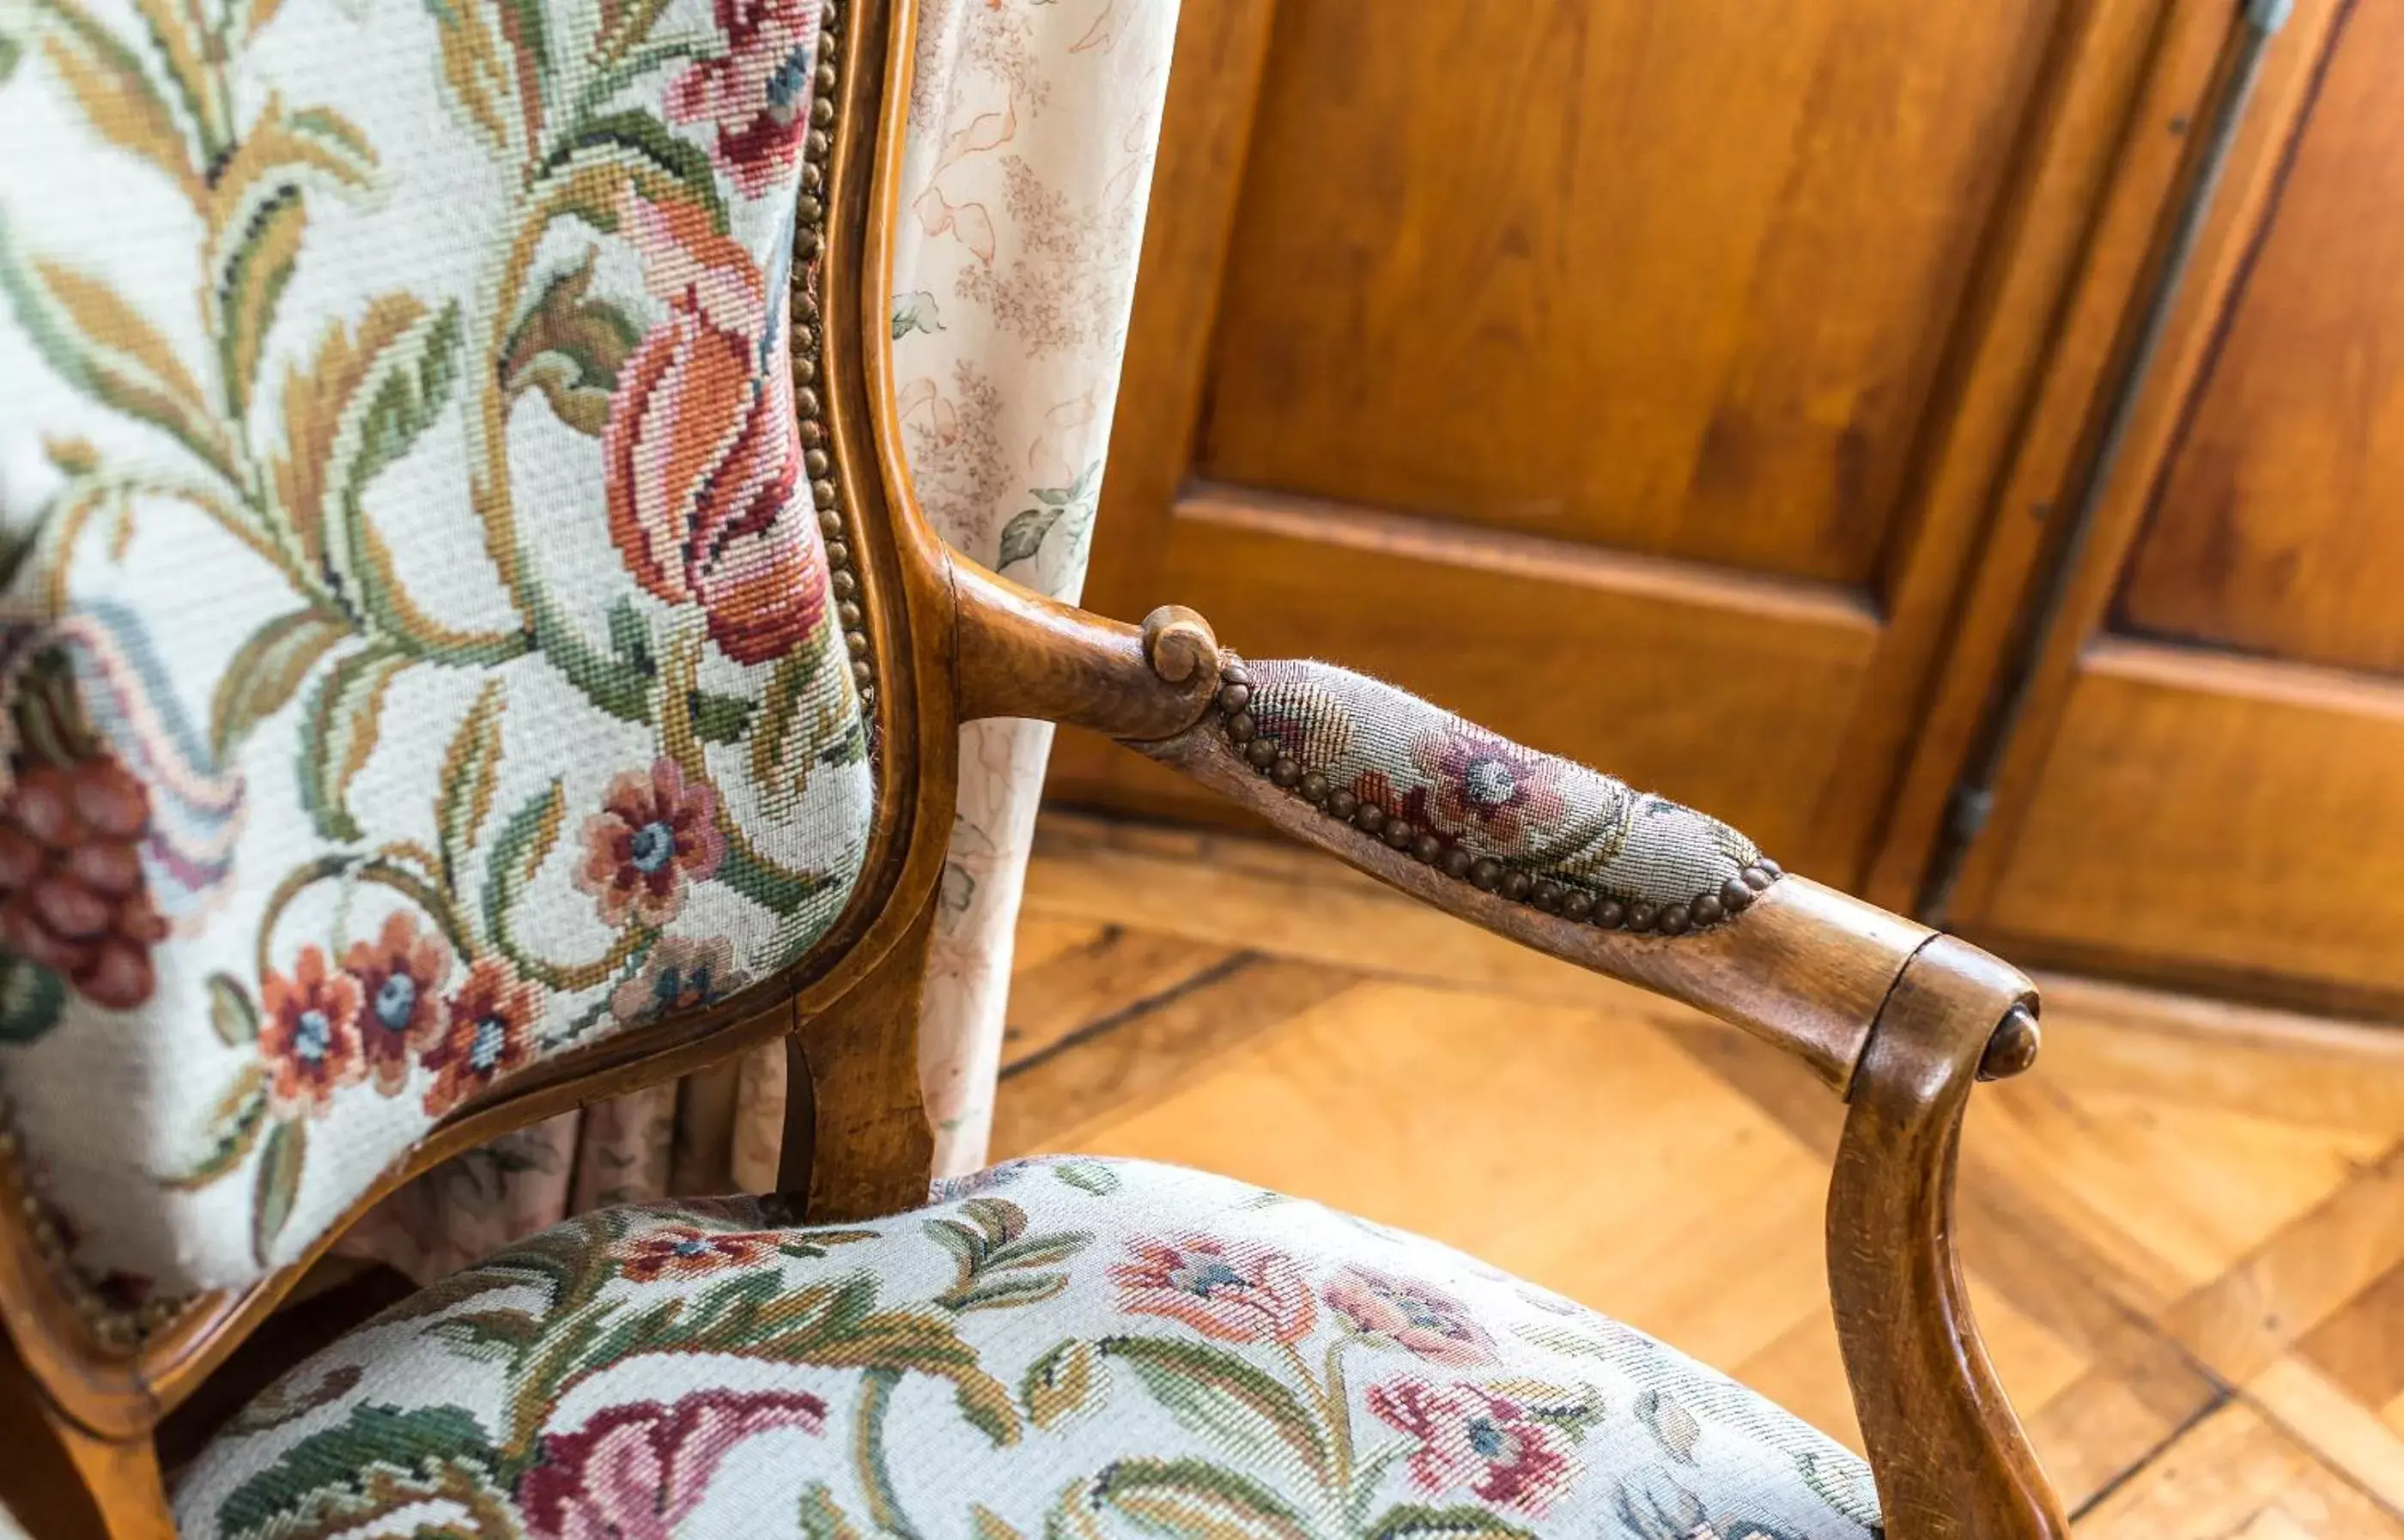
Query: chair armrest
{"points": [[1899, 1020]]}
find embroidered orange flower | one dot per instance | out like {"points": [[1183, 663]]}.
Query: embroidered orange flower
{"points": [[686, 1250], [72, 893], [655, 834], [309, 1034], [490, 1034], [401, 976]]}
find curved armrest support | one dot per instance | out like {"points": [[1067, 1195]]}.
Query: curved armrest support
{"points": [[1897, 1019]]}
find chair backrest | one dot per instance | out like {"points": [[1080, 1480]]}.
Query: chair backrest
{"points": [[454, 646]]}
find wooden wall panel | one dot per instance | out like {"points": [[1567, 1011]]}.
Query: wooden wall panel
{"points": [[2277, 529], [1667, 278], [2226, 820]]}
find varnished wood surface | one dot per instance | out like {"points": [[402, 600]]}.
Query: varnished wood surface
{"points": [[2274, 530], [2183, 1231], [1553, 302], [1671, 279], [1805, 967], [2213, 812]]}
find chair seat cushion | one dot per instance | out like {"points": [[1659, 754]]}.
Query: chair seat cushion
{"points": [[1058, 1347]]}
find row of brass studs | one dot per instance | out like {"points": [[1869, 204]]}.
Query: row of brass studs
{"points": [[1267, 755], [809, 351], [119, 1330]]}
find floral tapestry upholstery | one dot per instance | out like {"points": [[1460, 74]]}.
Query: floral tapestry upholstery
{"points": [[1031, 130], [418, 648], [1058, 1347], [1507, 813]]}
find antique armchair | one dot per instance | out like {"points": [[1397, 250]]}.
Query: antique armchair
{"points": [[556, 688]]}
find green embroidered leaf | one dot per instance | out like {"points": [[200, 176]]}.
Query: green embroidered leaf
{"points": [[500, 1334], [231, 1130], [102, 346], [471, 768], [402, 389], [339, 730], [10, 51], [569, 347], [1071, 1380], [1223, 1397], [108, 82], [288, 1401], [519, 851], [1412, 1521], [265, 672], [1023, 536], [232, 1014], [311, 470], [1090, 1176], [720, 719], [638, 148], [31, 999], [251, 284], [915, 311], [988, 1252], [767, 885], [1195, 1500], [343, 1459], [821, 1520], [278, 1185]]}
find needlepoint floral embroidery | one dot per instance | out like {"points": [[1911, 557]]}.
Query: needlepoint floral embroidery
{"points": [[415, 648]]}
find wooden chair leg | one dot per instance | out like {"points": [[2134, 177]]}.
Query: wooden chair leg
{"points": [[1949, 1456], [61, 1482], [856, 1136]]}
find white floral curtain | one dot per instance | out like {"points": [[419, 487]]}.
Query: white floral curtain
{"points": [[1033, 125]]}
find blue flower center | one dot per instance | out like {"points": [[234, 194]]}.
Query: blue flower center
{"points": [[1491, 782], [789, 85], [1200, 1280], [652, 846], [312, 1035], [492, 1036], [689, 1247], [1491, 1441], [395, 1002]]}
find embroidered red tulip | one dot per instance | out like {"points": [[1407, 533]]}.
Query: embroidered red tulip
{"points": [[655, 835], [1235, 1293], [309, 1034], [637, 1470], [700, 452]]}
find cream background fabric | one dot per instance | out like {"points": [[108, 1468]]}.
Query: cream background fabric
{"points": [[1033, 128]]}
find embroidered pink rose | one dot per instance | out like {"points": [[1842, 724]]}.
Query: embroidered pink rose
{"points": [[637, 1471], [1414, 1316], [1234, 1294], [1470, 1438], [756, 93], [655, 835], [1488, 786]]}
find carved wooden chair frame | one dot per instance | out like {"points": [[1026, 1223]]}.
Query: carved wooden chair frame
{"points": [[1895, 1019]]}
